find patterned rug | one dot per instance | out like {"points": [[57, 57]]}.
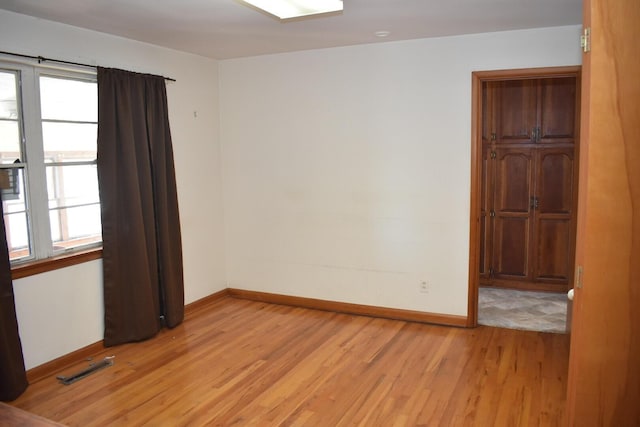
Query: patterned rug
{"points": [[525, 310]]}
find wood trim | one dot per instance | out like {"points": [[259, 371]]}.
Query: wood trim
{"points": [[358, 309], [56, 365], [191, 308], [61, 261], [50, 368], [527, 73], [477, 78]]}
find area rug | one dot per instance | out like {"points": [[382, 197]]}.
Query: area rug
{"points": [[525, 310]]}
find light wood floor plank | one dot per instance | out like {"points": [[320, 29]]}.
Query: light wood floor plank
{"points": [[241, 363]]}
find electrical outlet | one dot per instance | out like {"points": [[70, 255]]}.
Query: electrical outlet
{"points": [[424, 287]]}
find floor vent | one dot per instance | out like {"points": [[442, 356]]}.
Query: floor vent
{"points": [[93, 367]]}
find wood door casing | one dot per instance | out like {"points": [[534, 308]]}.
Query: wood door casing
{"points": [[483, 82]]}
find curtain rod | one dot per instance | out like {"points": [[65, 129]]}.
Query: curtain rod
{"points": [[41, 59]]}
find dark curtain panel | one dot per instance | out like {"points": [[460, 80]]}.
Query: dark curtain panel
{"points": [[142, 249], [13, 377]]}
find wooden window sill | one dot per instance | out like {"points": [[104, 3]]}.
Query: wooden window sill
{"points": [[54, 263]]}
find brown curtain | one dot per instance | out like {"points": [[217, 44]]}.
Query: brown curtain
{"points": [[13, 377], [142, 249]]}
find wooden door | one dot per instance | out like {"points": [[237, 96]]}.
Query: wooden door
{"points": [[486, 189], [604, 365], [516, 110], [512, 213], [554, 219], [557, 112], [536, 111], [527, 239], [486, 225]]}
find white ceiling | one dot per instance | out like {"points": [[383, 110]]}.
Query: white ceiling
{"points": [[224, 29]]}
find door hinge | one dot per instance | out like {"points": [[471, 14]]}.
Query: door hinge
{"points": [[494, 136], [492, 214], [493, 155], [585, 40]]}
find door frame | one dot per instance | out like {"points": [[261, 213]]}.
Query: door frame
{"points": [[477, 78]]}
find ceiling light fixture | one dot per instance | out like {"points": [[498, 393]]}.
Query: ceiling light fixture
{"points": [[289, 9]]}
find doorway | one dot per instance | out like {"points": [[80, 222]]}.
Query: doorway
{"points": [[523, 181]]}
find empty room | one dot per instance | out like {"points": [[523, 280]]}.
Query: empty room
{"points": [[380, 213]]}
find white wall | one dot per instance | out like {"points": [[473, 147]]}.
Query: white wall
{"points": [[347, 171], [61, 311]]}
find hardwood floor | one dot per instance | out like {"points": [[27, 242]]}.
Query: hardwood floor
{"points": [[238, 362]]}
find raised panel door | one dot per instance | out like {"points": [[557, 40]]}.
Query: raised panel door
{"points": [[486, 196], [527, 223], [485, 208], [557, 116], [516, 111], [555, 190], [489, 92], [552, 245], [512, 222], [555, 181], [486, 128]]}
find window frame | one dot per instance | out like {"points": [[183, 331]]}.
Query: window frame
{"points": [[43, 257]]}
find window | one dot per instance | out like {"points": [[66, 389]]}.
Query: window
{"points": [[48, 132]]}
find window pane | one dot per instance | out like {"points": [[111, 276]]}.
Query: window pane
{"points": [[8, 96], [15, 216], [73, 198], [74, 209], [17, 235], [77, 226], [9, 115], [65, 99], [72, 185], [13, 189], [64, 142], [9, 141]]}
